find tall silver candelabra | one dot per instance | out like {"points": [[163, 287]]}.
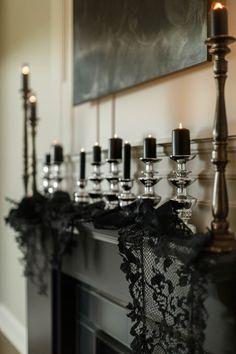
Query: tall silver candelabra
{"points": [[112, 195], [181, 180], [149, 178], [96, 178]]}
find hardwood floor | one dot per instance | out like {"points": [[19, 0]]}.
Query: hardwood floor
{"points": [[6, 347]]}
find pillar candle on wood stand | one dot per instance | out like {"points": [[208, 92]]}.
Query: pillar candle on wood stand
{"points": [[218, 20]]}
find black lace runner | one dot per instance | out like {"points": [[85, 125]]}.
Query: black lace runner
{"points": [[167, 285]]}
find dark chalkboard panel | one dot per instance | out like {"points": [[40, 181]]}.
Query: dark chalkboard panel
{"points": [[122, 43]]}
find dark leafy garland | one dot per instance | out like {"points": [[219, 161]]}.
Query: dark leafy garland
{"points": [[44, 229], [166, 283]]}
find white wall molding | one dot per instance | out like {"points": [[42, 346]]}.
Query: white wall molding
{"points": [[13, 330]]}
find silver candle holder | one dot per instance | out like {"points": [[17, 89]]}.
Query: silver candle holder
{"points": [[55, 178], [81, 196], [149, 178], [126, 197], [46, 178], [112, 195], [96, 178], [181, 180]]}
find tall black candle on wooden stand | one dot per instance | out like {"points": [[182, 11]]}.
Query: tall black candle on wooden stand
{"points": [[82, 163], [181, 141], [127, 157], [33, 122], [25, 71], [115, 148], [149, 148], [218, 20]]}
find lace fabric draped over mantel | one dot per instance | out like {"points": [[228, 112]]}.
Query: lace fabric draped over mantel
{"points": [[167, 284]]}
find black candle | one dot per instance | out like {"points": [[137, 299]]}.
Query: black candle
{"points": [[149, 148], [218, 20], [115, 148], [96, 153], [33, 107], [56, 154], [180, 141], [127, 156], [47, 159], [25, 78], [82, 163]]}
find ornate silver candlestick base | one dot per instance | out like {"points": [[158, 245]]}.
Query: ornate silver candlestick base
{"points": [[181, 180], [55, 178], [96, 178], [149, 178], [126, 197], [81, 196], [46, 179], [112, 195]]}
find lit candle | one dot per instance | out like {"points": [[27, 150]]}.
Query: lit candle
{"points": [[96, 153], [127, 156], [33, 107], [25, 77], [115, 148], [56, 153], [218, 18], [180, 141], [149, 148], [82, 163]]}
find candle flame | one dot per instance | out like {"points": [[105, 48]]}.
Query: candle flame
{"points": [[25, 70], [126, 142], [55, 142], [96, 144], [115, 136], [33, 99], [217, 6], [82, 150], [180, 126], [149, 136]]}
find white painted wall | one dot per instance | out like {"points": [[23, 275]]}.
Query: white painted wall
{"points": [[39, 32]]}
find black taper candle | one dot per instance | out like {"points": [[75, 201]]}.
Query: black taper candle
{"points": [[96, 153], [127, 157], [115, 148], [25, 77], [33, 107], [181, 142], [56, 154], [218, 20], [47, 159], [82, 163], [149, 148]]}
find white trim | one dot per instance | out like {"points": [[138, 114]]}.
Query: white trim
{"points": [[13, 330]]}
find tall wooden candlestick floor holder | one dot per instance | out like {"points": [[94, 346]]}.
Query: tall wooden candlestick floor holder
{"points": [[96, 178], [224, 239], [149, 178], [25, 96], [181, 179], [112, 195], [33, 122]]}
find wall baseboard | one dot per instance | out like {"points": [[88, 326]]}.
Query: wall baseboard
{"points": [[13, 330]]}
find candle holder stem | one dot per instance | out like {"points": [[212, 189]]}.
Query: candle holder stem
{"points": [[25, 142], [33, 122], [81, 196], [181, 180], [224, 240], [96, 178], [112, 195], [149, 179], [126, 197], [55, 178]]}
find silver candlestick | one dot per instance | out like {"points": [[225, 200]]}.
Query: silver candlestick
{"points": [[55, 178], [181, 180], [149, 178], [81, 196], [46, 178], [112, 195], [126, 197], [96, 178]]}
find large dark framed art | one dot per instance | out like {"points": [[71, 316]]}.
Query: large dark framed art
{"points": [[122, 43]]}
